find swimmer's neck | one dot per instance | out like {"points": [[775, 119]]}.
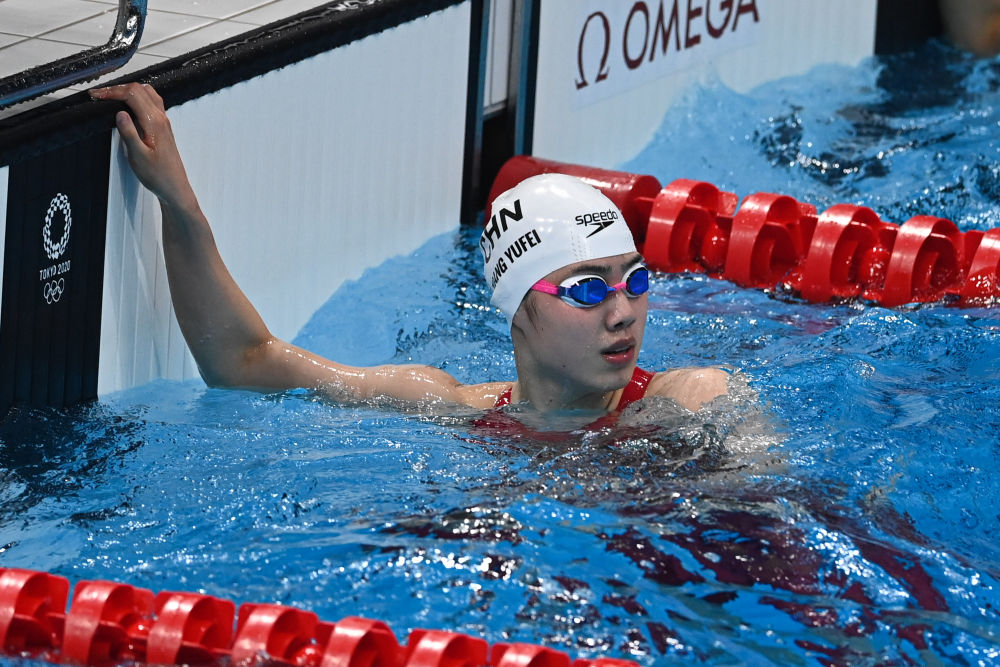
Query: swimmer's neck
{"points": [[554, 396]]}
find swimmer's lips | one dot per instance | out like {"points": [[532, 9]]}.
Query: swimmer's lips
{"points": [[621, 352]]}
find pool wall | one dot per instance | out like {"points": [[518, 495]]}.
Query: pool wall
{"points": [[326, 143]]}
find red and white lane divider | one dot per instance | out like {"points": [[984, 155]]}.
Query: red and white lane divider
{"points": [[109, 623], [769, 240]]}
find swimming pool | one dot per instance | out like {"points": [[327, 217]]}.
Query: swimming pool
{"points": [[847, 517]]}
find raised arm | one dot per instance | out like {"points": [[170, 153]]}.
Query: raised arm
{"points": [[226, 335], [221, 326]]}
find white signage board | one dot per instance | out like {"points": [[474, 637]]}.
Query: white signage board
{"points": [[609, 69]]}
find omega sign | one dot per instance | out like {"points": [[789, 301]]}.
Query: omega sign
{"points": [[622, 45], [55, 241]]}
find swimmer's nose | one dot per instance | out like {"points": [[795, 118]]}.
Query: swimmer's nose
{"points": [[622, 311]]}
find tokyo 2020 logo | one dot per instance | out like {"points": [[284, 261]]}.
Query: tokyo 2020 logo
{"points": [[59, 204], [52, 277]]}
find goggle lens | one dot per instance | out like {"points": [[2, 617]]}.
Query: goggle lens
{"points": [[589, 291], [637, 281]]}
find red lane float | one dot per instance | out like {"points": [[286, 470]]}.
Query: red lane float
{"points": [[633, 194], [689, 227], [845, 255], [32, 611], [768, 238], [190, 629], [981, 282], [773, 240], [109, 623]]}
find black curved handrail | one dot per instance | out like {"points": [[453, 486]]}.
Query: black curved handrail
{"points": [[84, 66]]}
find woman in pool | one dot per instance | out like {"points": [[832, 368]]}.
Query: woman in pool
{"points": [[558, 255]]}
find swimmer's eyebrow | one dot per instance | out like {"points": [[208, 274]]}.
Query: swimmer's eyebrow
{"points": [[605, 269]]}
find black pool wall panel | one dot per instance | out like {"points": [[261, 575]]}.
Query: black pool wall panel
{"points": [[904, 25], [53, 274]]}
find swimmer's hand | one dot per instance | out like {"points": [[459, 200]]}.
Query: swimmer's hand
{"points": [[150, 145]]}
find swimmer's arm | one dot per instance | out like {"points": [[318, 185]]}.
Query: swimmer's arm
{"points": [[399, 386], [690, 387], [281, 365], [225, 333], [229, 340]]}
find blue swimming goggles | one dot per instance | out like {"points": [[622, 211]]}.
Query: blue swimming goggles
{"points": [[587, 291]]}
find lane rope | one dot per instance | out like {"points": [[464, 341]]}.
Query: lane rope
{"points": [[110, 623], [773, 240]]}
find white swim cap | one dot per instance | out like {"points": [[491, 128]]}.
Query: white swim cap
{"points": [[542, 224]]}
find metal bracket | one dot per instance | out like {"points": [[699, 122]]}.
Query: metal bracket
{"points": [[83, 66]]}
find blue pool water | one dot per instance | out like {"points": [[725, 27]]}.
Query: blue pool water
{"points": [[841, 510]]}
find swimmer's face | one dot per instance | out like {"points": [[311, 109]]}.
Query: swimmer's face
{"points": [[591, 349]]}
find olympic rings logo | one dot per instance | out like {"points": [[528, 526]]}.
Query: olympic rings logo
{"points": [[59, 204], [53, 290]]}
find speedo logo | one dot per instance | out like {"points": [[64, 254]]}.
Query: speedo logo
{"points": [[599, 220]]}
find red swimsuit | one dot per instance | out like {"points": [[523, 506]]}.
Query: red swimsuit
{"points": [[498, 422], [634, 390]]}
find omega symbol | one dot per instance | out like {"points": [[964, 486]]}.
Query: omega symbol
{"points": [[602, 70]]}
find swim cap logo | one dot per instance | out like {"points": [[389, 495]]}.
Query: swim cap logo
{"points": [[599, 219], [514, 250], [497, 226]]}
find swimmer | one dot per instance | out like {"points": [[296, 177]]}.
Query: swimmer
{"points": [[973, 25], [573, 294]]}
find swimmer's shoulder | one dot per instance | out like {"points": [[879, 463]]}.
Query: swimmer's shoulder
{"points": [[690, 387], [483, 395]]}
